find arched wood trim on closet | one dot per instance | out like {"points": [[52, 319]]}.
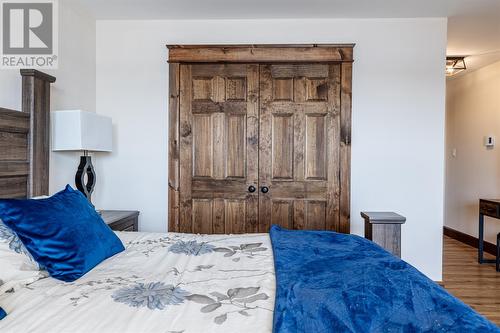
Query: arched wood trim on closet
{"points": [[180, 56]]}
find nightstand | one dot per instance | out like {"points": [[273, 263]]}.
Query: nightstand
{"points": [[121, 220]]}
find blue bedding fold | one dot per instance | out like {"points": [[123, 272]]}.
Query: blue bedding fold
{"points": [[331, 282]]}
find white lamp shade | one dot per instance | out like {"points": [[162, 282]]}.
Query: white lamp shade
{"points": [[80, 130]]}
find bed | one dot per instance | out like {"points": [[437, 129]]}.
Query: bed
{"points": [[282, 281], [213, 283]]}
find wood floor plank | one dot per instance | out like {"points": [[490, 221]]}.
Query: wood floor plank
{"points": [[476, 285]]}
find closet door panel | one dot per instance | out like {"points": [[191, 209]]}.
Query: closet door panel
{"points": [[282, 145], [219, 154], [299, 146]]}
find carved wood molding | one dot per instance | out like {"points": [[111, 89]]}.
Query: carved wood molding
{"points": [[260, 53], [39, 75]]}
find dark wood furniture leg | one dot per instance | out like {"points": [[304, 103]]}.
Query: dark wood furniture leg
{"points": [[480, 247], [498, 252], [491, 208]]}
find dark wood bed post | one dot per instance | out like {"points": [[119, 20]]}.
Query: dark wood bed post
{"points": [[36, 102]]}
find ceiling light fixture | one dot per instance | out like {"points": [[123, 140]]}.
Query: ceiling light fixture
{"points": [[455, 65]]}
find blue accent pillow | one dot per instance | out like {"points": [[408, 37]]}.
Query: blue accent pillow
{"points": [[2, 313], [63, 233]]}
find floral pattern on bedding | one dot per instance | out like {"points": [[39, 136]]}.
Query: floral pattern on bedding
{"points": [[164, 282], [17, 266], [153, 295], [15, 244], [236, 300], [9, 237], [191, 248], [157, 295]]}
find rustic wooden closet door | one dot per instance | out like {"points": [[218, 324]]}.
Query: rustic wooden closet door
{"points": [[218, 148], [299, 146]]}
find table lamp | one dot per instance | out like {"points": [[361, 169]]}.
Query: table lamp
{"points": [[76, 130]]}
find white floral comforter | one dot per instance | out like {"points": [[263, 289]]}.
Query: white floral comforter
{"points": [[160, 283]]}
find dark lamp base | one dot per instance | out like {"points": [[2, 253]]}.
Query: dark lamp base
{"points": [[85, 169]]}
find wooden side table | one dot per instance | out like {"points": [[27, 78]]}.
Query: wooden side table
{"points": [[491, 208], [121, 220], [384, 228]]}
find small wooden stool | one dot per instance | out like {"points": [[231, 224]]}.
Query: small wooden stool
{"points": [[384, 228]]}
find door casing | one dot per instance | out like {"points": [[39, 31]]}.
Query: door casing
{"points": [[339, 59]]}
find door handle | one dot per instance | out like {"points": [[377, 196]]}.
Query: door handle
{"points": [[251, 188], [264, 189]]}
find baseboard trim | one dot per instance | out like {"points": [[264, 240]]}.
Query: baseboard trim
{"points": [[469, 240]]}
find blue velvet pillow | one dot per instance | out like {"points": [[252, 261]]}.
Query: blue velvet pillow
{"points": [[63, 233], [2, 314]]}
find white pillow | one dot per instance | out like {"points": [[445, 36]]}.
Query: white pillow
{"points": [[18, 268], [41, 197]]}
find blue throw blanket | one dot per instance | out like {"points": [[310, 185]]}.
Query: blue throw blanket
{"points": [[331, 282]]}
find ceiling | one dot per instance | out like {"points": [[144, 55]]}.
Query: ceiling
{"points": [[245, 9], [473, 29], [476, 36]]}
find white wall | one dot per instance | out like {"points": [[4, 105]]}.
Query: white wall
{"points": [[398, 115], [75, 84], [472, 112]]}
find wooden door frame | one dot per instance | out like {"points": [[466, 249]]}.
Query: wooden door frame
{"points": [[304, 53]]}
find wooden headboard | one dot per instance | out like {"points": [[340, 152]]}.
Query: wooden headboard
{"points": [[25, 140]]}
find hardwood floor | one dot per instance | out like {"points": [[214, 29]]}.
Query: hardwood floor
{"points": [[476, 285]]}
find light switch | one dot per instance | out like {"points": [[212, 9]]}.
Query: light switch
{"points": [[489, 141], [454, 152]]}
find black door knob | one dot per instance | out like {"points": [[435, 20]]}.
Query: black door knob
{"points": [[251, 188], [264, 189]]}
